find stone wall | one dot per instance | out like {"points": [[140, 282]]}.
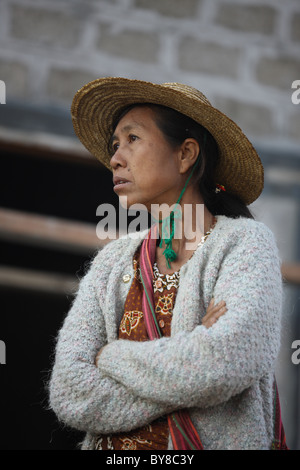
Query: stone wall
{"points": [[244, 55]]}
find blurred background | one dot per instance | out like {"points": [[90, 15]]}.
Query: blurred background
{"points": [[243, 55]]}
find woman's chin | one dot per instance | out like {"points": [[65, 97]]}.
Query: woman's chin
{"points": [[130, 202], [127, 203]]}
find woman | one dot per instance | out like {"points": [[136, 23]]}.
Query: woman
{"points": [[171, 344]]}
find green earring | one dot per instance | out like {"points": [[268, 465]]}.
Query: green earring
{"points": [[168, 224]]}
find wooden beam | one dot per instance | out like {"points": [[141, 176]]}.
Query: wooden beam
{"points": [[37, 281], [48, 231], [73, 236], [42, 145]]}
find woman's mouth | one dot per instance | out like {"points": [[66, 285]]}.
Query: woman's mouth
{"points": [[119, 183]]}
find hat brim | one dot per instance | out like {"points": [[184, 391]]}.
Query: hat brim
{"points": [[97, 104]]}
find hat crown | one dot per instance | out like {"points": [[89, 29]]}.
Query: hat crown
{"points": [[188, 91]]}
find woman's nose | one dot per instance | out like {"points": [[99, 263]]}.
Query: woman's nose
{"points": [[117, 159]]}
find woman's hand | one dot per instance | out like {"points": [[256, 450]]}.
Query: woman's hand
{"points": [[97, 356], [214, 312]]}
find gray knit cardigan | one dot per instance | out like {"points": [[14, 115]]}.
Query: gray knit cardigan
{"points": [[223, 374]]}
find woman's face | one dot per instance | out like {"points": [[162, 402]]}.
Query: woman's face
{"points": [[146, 169]]}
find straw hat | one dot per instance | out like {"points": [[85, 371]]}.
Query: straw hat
{"points": [[98, 103]]}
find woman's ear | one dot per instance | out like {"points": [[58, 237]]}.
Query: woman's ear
{"points": [[189, 151]]}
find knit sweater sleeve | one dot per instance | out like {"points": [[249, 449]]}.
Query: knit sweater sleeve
{"points": [[80, 395], [205, 367]]}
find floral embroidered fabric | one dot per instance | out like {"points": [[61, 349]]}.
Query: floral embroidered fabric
{"points": [[155, 435]]}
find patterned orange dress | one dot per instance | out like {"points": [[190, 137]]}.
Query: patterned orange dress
{"points": [[155, 435]]}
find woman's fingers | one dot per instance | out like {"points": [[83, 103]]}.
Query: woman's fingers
{"points": [[214, 312], [97, 356]]}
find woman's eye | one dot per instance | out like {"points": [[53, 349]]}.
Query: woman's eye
{"points": [[132, 138], [115, 147]]}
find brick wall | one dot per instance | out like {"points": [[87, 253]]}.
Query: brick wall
{"points": [[244, 55]]}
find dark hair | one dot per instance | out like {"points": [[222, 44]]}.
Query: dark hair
{"points": [[177, 127]]}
